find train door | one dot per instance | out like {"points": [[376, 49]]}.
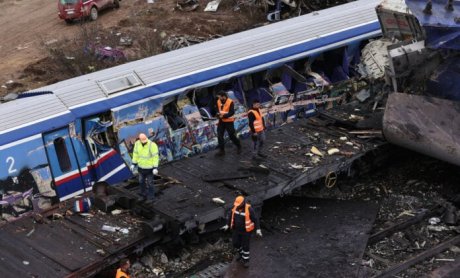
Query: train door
{"points": [[63, 163]]}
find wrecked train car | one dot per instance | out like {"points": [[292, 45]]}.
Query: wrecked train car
{"points": [[64, 139], [421, 49]]}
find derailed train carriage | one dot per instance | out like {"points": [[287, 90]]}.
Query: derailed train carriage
{"points": [[423, 67], [61, 140]]}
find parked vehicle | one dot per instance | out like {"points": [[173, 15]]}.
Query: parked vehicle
{"points": [[69, 10]]}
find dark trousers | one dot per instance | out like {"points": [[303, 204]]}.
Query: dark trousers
{"points": [[240, 242], [147, 183], [230, 128], [258, 140]]}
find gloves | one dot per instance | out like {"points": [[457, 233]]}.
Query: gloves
{"points": [[132, 167], [224, 228], [259, 232], [155, 171]]}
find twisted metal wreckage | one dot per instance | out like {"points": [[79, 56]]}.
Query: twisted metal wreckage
{"points": [[81, 138]]}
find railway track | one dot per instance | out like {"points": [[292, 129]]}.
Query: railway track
{"points": [[433, 256]]}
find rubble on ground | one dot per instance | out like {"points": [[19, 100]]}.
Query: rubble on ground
{"points": [[156, 263], [174, 42]]}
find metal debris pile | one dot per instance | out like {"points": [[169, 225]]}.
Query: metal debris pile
{"points": [[179, 41]]}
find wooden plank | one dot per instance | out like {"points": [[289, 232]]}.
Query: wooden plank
{"points": [[366, 132]]}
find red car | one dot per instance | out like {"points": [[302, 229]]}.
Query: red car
{"points": [[76, 9]]}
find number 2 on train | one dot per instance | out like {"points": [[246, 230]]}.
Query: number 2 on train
{"points": [[11, 169]]}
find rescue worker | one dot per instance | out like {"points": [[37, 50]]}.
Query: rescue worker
{"points": [[257, 127], [226, 110], [123, 271], [243, 222], [146, 158]]}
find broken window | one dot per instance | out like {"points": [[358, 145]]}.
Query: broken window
{"points": [[173, 116], [202, 97], [204, 100], [247, 82], [62, 155], [97, 135], [274, 75]]}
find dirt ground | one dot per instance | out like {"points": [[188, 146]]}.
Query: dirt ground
{"points": [[29, 29]]}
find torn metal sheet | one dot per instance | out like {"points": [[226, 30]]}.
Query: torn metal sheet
{"points": [[424, 124], [397, 21], [374, 59]]}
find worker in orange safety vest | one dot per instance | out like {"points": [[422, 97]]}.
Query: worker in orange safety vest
{"points": [[243, 222], [257, 127], [226, 110], [123, 271]]}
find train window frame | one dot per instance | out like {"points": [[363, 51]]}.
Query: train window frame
{"points": [[125, 82], [63, 157]]}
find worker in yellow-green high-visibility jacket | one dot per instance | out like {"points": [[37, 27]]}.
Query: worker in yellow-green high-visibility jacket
{"points": [[146, 158]]}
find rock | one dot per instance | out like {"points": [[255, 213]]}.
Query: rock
{"points": [[411, 182], [116, 211], [218, 200], [315, 150], [164, 258], [136, 266], [219, 244], [185, 255], [434, 220], [437, 228], [333, 151], [363, 95], [147, 260], [126, 41], [158, 271], [50, 42]]}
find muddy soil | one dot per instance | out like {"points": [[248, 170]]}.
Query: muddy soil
{"points": [[31, 29], [37, 48]]}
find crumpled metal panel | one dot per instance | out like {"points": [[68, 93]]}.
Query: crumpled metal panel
{"points": [[424, 124]]}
